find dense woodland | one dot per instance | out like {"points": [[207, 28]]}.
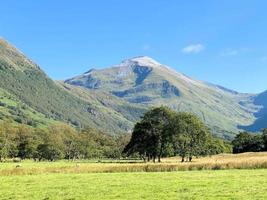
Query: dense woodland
{"points": [[60, 141]]}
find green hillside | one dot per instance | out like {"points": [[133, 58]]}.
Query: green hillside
{"points": [[23, 79], [18, 112]]}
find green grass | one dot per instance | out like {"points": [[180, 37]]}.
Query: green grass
{"points": [[224, 184]]}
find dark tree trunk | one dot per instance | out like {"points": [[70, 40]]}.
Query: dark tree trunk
{"points": [[190, 159], [159, 159]]}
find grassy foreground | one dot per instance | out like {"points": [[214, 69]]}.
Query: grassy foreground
{"points": [[221, 184], [244, 176]]}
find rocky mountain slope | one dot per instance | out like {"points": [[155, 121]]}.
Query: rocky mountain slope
{"points": [[260, 101], [113, 98], [144, 81]]}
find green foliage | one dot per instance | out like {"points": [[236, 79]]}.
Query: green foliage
{"points": [[247, 142], [60, 141], [150, 136], [163, 132], [190, 136], [264, 138], [8, 144]]}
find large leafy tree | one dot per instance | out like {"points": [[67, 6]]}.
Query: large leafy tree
{"points": [[163, 132], [190, 136], [150, 136]]}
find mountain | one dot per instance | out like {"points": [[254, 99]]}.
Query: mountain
{"points": [[25, 84], [144, 81], [112, 99], [259, 100]]}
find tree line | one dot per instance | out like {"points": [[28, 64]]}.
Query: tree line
{"points": [[248, 142], [163, 132], [60, 141]]}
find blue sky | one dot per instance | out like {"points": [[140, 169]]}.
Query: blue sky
{"points": [[223, 42]]}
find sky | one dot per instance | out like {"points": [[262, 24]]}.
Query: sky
{"points": [[223, 42]]}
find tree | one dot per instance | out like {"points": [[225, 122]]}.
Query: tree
{"points": [[96, 144], [150, 137], [139, 142], [246, 142], [264, 139], [217, 146], [68, 139], [51, 146], [8, 145], [190, 136], [27, 142], [48, 151]]}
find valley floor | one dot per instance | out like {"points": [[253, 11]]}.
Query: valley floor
{"points": [[209, 184], [242, 176]]}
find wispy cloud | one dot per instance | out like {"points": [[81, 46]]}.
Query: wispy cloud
{"points": [[193, 48]]}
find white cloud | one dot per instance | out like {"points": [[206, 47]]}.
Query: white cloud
{"points": [[193, 48]]}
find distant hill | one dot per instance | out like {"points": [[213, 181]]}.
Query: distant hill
{"points": [[113, 99]]}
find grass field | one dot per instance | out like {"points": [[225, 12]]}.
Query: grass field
{"points": [[67, 180], [221, 184]]}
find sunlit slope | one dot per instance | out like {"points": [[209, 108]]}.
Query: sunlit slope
{"points": [[144, 81], [29, 84]]}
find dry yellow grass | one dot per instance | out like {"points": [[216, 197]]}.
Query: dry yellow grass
{"points": [[223, 161]]}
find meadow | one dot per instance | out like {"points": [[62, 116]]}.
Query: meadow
{"points": [[225, 176], [223, 161]]}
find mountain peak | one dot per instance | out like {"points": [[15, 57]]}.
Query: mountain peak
{"points": [[142, 61]]}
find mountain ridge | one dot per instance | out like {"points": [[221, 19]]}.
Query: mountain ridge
{"points": [[159, 84], [113, 98]]}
